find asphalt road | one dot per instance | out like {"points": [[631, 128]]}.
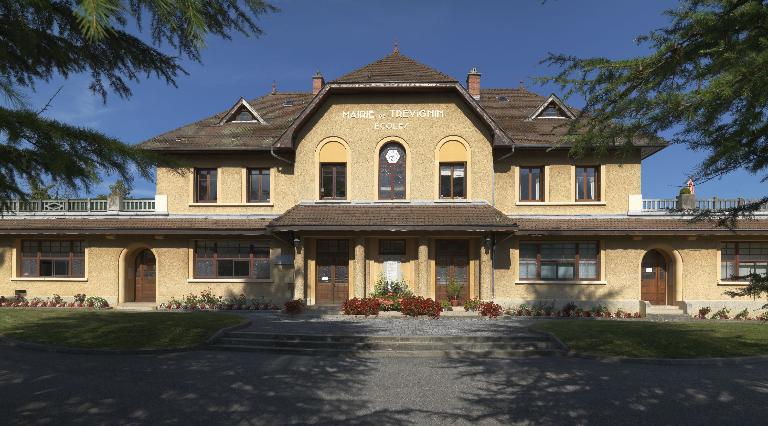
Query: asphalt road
{"points": [[254, 388]]}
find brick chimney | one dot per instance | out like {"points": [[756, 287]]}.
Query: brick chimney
{"points": [[473, 83], [317, 83]]}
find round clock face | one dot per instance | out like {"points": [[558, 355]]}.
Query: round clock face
{"points": [[392, 156]]}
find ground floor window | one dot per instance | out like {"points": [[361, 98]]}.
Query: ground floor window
{"points": [[559, 261], [392, 254], [52, 258], [231, 259], [740, 259]]}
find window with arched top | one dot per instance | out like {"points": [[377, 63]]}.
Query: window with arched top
{"points": [[392, 177], [452, 158]]}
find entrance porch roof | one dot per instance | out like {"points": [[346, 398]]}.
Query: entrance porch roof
{"points": [[467, 217]]}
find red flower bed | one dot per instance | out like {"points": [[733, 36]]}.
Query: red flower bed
{"points": [[365, 306], [416, 306], [490, 309]]}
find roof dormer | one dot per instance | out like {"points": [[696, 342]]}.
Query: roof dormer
{"points": [[242, 112], [553, 107]]}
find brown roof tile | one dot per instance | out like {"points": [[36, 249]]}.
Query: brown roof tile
{"points": [[635, 225], [387, 216], [132, 225], [278, 110], [395, 68]]}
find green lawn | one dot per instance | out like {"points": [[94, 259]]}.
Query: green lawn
{"points": [[643, 339], [113, 330]]}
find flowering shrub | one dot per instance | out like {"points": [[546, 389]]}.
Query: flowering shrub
{"points": [[96, 302], [79, 298], [207, 301], [294, 307], [389, 293], [472, 305], [569, 308], [490, 309], [52, 302], [721, 314], [416, 306], [365, 306], [743, 315], [703, 312]]}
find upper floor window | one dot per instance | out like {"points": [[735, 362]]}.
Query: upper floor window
{"points": [[205, 185], [231, 259], [392, 172], [559, 261], [52, 258], [587, 184], [739, 259], [258, 185], [453, 180], [531, 184], [333, 181]]}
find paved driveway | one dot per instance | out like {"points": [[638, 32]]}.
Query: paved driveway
{"points": [[254, 388]]}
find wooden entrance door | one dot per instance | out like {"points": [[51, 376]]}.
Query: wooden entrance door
{"points": [[145, 277], [452, 262], [654, 278], [332, 281]]}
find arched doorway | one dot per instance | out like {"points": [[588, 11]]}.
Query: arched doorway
{"points": [[654, 277], [145, 277]]}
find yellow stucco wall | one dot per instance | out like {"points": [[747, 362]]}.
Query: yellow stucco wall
{"points": [[620, 177], [696, 259], [104, 263]]}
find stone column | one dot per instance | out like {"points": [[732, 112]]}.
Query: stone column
{"points": [[298, 269], [422, 268], [486, 269], [359, 267]]}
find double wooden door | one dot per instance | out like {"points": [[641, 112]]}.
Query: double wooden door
{"points": [[452, 263], [145, 279], [654, 278], [332, 276]]}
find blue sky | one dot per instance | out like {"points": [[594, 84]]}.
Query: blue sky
{"points": [[504, 39]]}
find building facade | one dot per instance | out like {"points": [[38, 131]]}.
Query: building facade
{"points": [[394, 170]]}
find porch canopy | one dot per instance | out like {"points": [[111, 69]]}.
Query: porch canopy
{"points": [[465, 217]]}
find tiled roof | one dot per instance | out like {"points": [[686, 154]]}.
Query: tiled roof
{"points": [[132, 225], [509, 109], [390, 216], [278, 110], [635, 225], [395, 68]]}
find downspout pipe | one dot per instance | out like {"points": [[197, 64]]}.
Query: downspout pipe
{"points": [[272, 151]]}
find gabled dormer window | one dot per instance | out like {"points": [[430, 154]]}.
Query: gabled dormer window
{"points": [[242, 112], [553, 107]]}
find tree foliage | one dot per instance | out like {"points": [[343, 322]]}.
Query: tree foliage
{"points": [[705, 81], [758, 284], [43, 39]]}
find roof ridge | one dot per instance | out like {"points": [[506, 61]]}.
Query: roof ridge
{"points": [[395, 67]]}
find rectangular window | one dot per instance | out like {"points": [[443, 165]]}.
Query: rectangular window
{"points": [[453, 180], [52, 258], [205, 185], [258, 185], [739, 259], [333, 181], [392, 247], [587, 184], [559, 261], [231, 259], [531, 184]]}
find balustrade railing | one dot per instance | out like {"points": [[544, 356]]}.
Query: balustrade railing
{"points": [[80, 205], [662, 204]]}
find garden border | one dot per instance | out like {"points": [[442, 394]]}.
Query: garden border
{"points": [[8, 341], [720, 361]]}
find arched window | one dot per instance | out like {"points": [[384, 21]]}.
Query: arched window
{"points": [[392, 172]]}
